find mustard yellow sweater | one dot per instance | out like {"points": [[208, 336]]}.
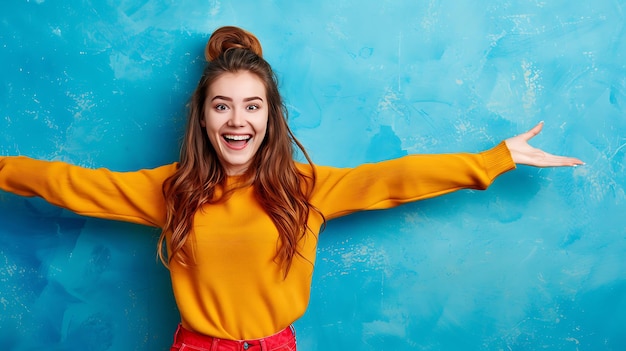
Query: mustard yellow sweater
{"points": [[235, 290]]}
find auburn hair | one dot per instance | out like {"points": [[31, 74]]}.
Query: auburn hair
{"points": [[281, 189]]}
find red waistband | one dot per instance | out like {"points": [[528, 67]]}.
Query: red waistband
{"points": [[190, 338]]}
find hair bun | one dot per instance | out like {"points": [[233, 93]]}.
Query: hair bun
{"points": [[228, 37]]}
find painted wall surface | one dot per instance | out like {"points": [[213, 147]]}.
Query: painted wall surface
{"points": [[535, 262]]}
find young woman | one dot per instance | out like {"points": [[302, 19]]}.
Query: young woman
{"points": [[239, 216]]}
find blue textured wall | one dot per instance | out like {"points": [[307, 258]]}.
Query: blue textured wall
{"points": [[536, 262]]}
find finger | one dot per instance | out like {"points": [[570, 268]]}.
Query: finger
{"points": [[550, 160], [533, 132]]}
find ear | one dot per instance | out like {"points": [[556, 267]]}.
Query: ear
{"points": [[202, 123]]}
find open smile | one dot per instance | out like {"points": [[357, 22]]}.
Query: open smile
{"points": [[237, 141]]}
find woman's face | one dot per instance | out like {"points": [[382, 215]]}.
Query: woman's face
{"points": [[235, 119]]}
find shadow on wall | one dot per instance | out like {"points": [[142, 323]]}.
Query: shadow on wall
{"points": [[68, 282]]}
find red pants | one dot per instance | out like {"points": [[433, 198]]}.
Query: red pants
{"points": [[185, 340]]}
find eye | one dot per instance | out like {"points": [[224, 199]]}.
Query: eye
{"points": [[253, 107], [220, 107]]}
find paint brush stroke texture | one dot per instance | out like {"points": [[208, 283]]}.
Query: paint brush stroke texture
{"points": [[536, 262]]}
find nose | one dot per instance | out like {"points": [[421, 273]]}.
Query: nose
{"points": [[236, 118]]}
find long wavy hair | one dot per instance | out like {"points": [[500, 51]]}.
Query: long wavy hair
{"points": [[281, 189]]}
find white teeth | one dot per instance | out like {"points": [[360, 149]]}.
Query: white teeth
{"points": [[237, 137]]}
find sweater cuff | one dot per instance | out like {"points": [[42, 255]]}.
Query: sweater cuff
{"points": [[498, 160]]}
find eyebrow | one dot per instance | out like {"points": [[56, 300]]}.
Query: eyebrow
{"points": [[225, 98]]}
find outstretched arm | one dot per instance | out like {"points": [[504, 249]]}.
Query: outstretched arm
{"points": [[125, 196], [524, 154]]}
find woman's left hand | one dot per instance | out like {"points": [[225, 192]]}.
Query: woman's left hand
{"points": [[524, 154]]}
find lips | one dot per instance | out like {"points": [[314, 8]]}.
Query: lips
{"points": [[237, 141]]}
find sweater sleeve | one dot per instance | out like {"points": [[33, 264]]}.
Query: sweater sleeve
{"points": [[135, 197], [340, 191]]}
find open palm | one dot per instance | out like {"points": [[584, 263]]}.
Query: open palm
{"points": [[524, 154]]}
